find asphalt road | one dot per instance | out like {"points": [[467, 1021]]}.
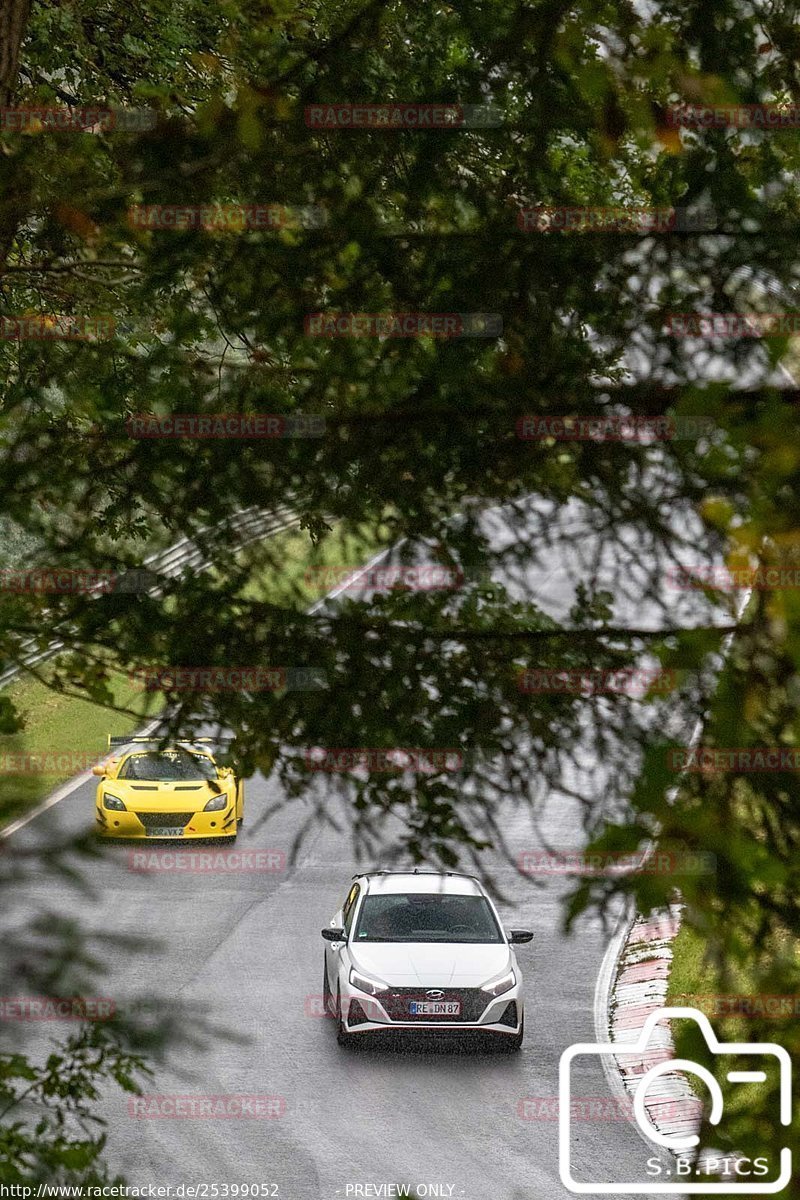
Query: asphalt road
{"points": [[236, 959]]}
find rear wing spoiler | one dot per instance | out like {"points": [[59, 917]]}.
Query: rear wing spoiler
{"points": [[122, 740]]}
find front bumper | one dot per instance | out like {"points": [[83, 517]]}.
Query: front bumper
{"points": [[481, 1013], [112, 823]]}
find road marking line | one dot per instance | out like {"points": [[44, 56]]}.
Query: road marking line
{"points": [[61, 793]]}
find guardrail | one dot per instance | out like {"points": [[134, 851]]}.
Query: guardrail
{"points": [[248, 525]]}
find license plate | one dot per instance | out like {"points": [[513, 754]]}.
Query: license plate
{"points": [[165, 831], [435, 1008]]}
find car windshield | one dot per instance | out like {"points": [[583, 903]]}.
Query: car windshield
{"points": [[167, 766], [426, 918]]}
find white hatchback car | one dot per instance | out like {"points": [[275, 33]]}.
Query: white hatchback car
{"points": [[422, 950]]}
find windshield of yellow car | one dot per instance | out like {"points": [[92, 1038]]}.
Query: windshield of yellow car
{"points": [[168, 766]]}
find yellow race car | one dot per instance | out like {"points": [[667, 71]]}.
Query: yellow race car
{"points": [[177, 792]]}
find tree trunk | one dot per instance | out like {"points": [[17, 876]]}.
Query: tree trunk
{"points": [[14, 16], [13, 21]]}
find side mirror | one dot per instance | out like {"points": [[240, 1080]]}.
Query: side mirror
{"points": [[333, 934], [99, 769], [519, 935]]}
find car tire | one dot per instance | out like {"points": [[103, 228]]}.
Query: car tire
{"points": [[342, 1036]]}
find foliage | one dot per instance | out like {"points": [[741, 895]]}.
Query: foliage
{"points": [[426, 221]]}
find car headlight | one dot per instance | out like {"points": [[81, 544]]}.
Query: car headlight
{"points": [[114, 802], [217, 803], [503, 983], [373, 987]]}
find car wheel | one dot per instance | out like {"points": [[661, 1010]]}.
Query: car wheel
{"points": [[514, 1043], [342, 1036]]}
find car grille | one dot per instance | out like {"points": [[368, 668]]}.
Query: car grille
{"points": [[397, 1002], [164, 820]]}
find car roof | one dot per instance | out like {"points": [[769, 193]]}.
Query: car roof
{"points": [[442, 882]]}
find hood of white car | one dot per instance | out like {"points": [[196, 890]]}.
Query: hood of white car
{"points": [[427, 964]]}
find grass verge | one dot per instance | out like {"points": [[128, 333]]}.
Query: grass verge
{"points": [[63, 735]]}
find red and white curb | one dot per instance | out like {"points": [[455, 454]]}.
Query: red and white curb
{"points": [[639, 990]]}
